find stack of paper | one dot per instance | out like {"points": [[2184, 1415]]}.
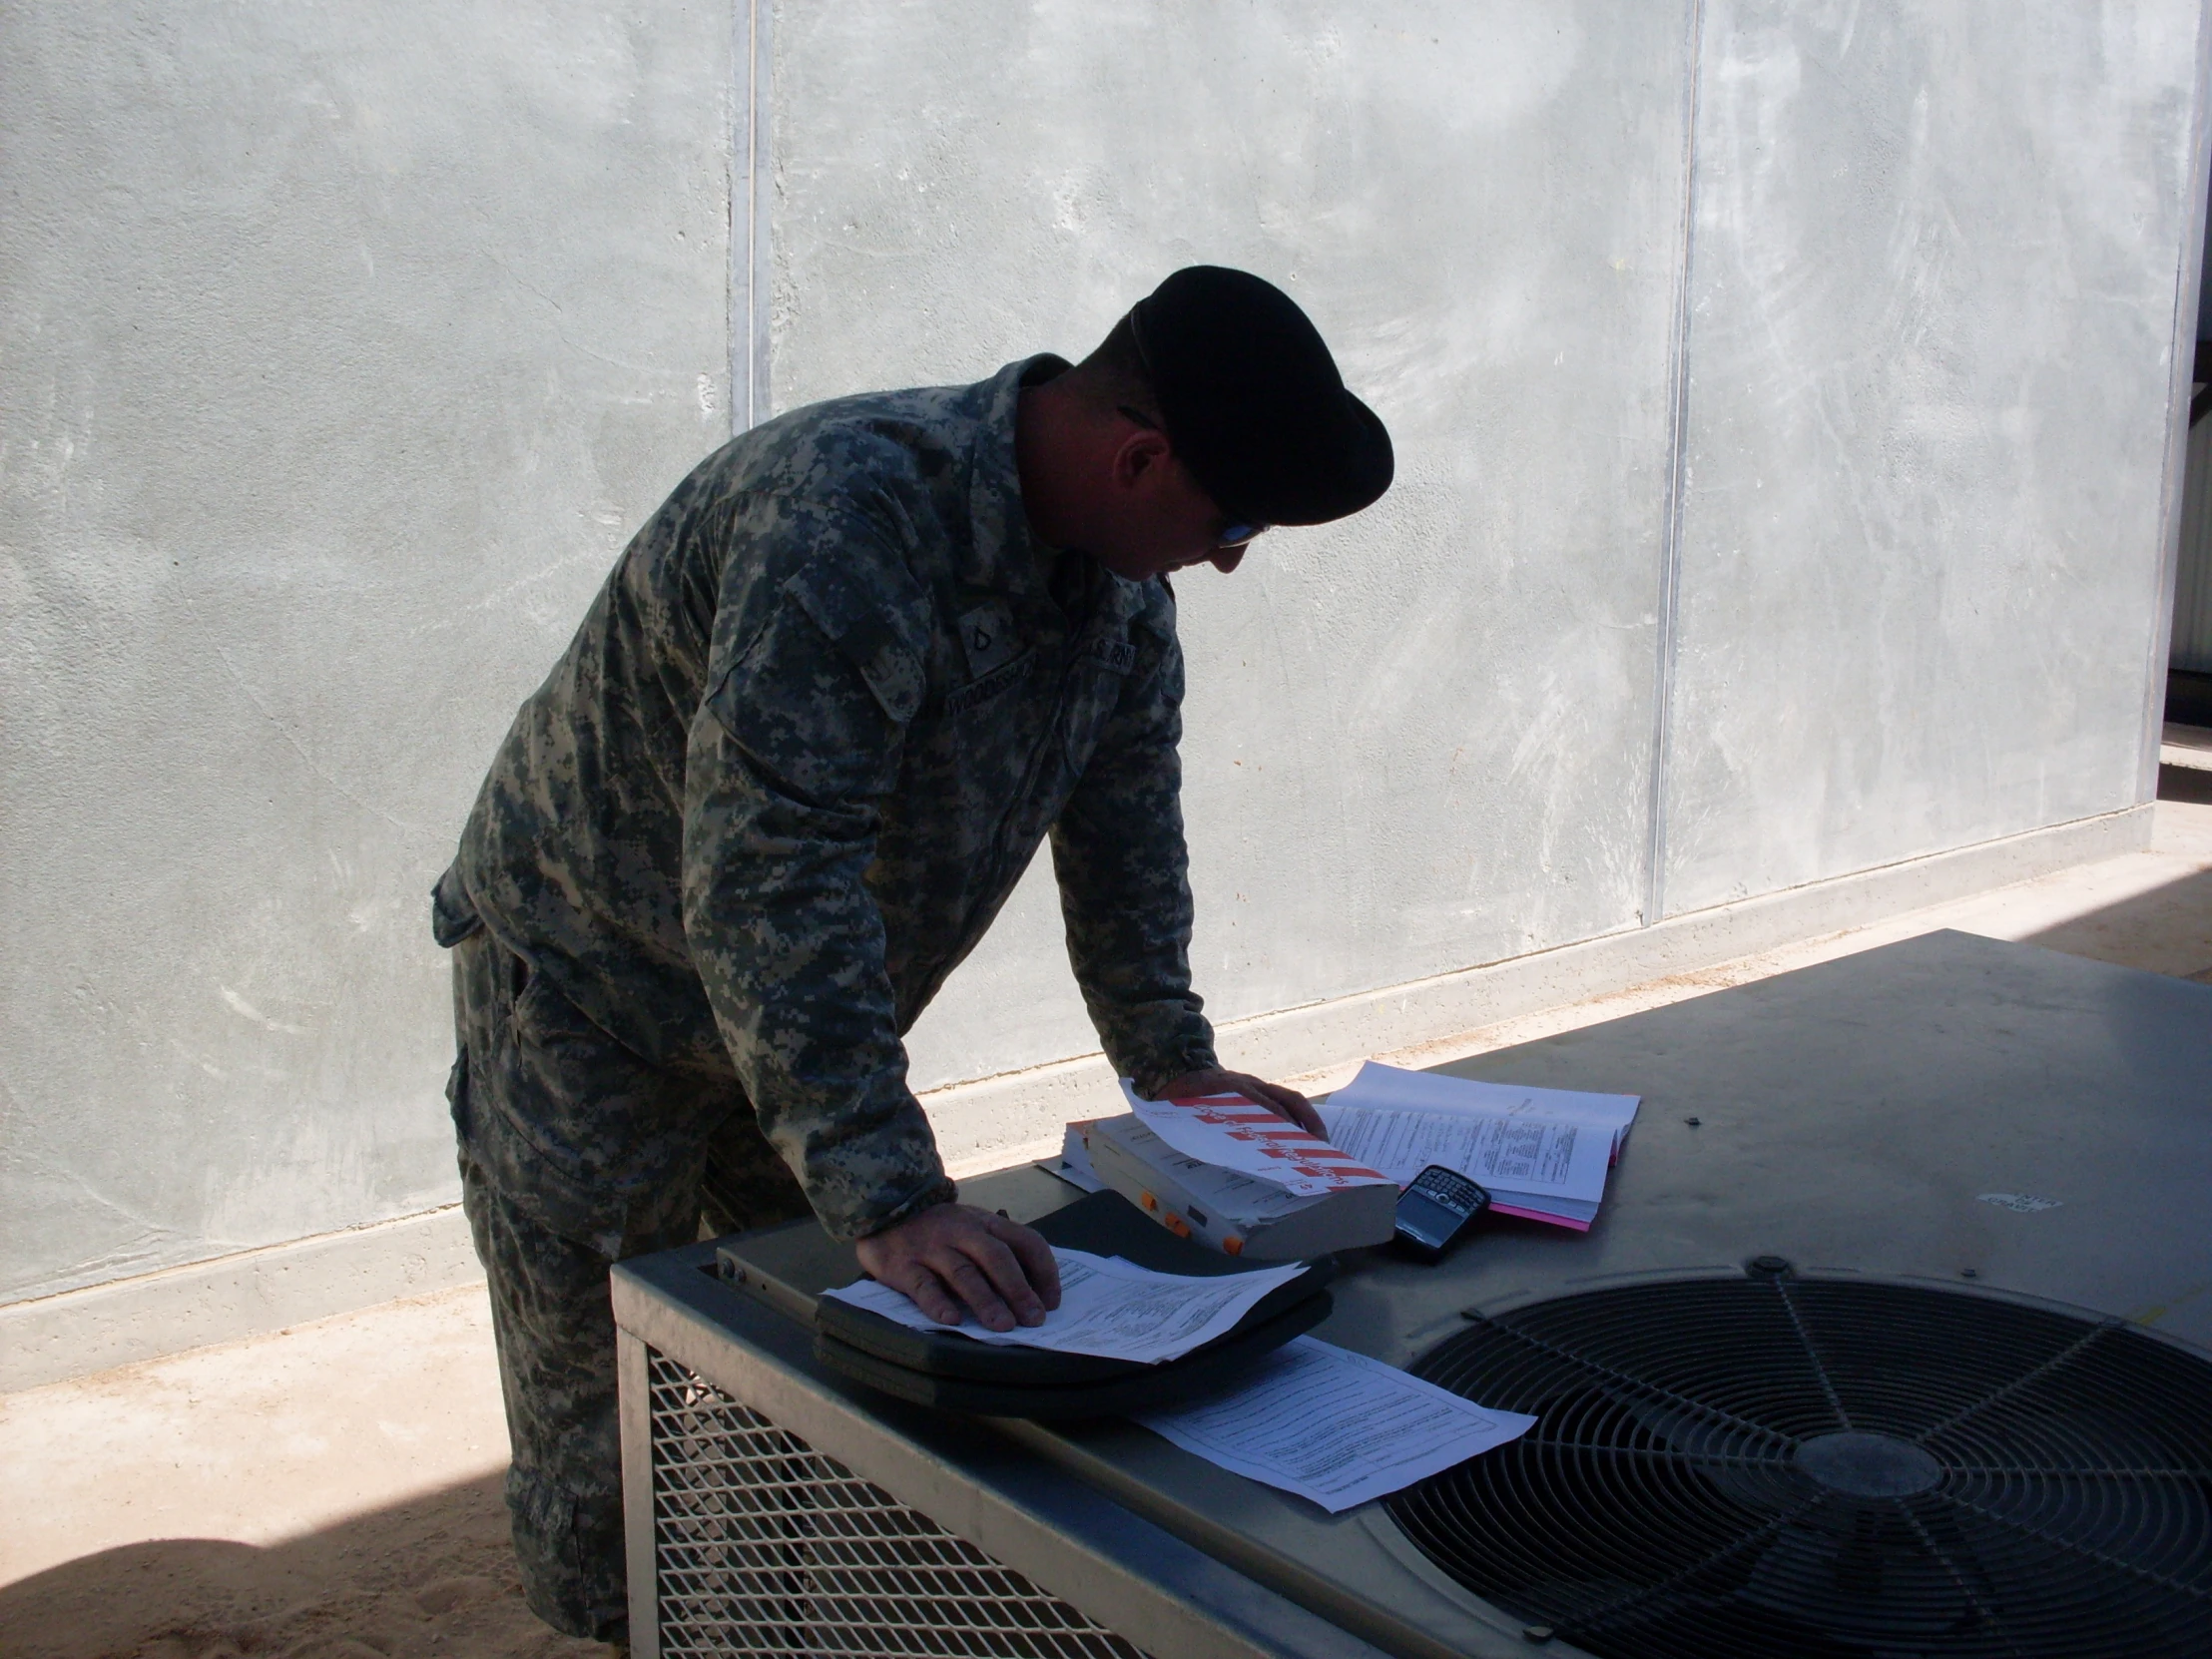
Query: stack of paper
{"points": [[1543, 1153], [1108, 1307]]}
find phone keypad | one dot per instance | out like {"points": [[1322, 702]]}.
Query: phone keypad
{"points": [[1449, 1188]]}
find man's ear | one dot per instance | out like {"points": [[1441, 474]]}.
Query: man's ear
{"points": [[1140, 454]]}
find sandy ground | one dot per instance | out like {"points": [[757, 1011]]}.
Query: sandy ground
{"points": [[430, 1576], [331, 1491]]}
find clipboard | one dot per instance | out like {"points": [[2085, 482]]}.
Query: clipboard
{"points": [[956, 1372]]}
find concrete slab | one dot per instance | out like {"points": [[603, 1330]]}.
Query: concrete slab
{"points": [[2149, 909]]}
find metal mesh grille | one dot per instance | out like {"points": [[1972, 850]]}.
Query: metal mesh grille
{"points": [[762, 1545]]}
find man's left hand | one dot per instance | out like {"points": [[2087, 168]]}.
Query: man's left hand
{"points": [[1287, 1103]]}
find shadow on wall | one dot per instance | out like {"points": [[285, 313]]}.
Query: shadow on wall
{"points": [[434, 1576]]}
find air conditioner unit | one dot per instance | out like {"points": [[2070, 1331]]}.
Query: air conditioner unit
{"points": [[1890, 1342]]}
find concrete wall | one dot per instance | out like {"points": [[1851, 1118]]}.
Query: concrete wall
{"points": [[1913, 542], [1417, 740], [340, 349], [1936, 267], [1782, 396]]}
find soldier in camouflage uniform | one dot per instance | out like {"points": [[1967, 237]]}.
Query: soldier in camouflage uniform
{"points": [[830, 699]]}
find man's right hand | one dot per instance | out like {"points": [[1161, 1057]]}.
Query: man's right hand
{"points": [[954, 1254]]}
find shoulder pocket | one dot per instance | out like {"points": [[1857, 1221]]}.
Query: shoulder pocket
{"points": [[875, 632], [820, 698]]}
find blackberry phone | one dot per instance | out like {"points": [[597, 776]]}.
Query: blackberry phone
{"points": [[1435, 1209]]}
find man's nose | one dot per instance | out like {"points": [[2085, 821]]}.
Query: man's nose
{"points": [[1227, 559]]}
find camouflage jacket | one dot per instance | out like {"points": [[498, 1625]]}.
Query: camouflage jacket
{"points": [[810, 733]]}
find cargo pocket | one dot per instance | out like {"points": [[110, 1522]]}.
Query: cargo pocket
{"points": [[605, 1131]]}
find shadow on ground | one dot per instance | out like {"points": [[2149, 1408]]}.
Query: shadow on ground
{"points": [[2185, 784], [433, 1576], [2169, 929]]}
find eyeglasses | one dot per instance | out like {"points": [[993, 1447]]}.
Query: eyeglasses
{"points": [[1237, 532]]}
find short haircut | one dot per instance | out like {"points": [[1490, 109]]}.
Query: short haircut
{"points": [[1114, 373]]}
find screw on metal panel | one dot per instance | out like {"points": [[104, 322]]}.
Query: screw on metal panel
{"points": [[1538, 1633], [1693, 1122], [1768, 1267]]}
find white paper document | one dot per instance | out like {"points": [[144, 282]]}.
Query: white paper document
{"points": [[1395, 1088], [1506, 1154], [1108, 1307], [1233, 1133], [1543, 1153], [1334, 1427]]}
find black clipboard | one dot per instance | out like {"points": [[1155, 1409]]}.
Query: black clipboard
{"points": [[955, 1372]]}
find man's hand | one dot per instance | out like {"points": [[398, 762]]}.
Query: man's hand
{"points": [[1287, 1103], [953, 1254]]}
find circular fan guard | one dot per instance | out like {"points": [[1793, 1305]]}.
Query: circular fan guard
{"points": [[1799, 1469]]}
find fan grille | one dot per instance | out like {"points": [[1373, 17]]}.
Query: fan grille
{"points": [[1774, 1467]]}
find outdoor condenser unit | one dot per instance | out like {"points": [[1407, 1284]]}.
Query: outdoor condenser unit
{"points": [[1890, 1342]]}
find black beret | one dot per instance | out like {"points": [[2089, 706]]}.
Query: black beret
{"points": [[1251, 400]]}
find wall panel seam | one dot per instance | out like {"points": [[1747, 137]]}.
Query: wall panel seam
{"points": [[1670, 542], [736, 218], [751, 74], [2173, 482]]}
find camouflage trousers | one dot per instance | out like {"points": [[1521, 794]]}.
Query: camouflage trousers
{"points": [[551, 1314]]}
